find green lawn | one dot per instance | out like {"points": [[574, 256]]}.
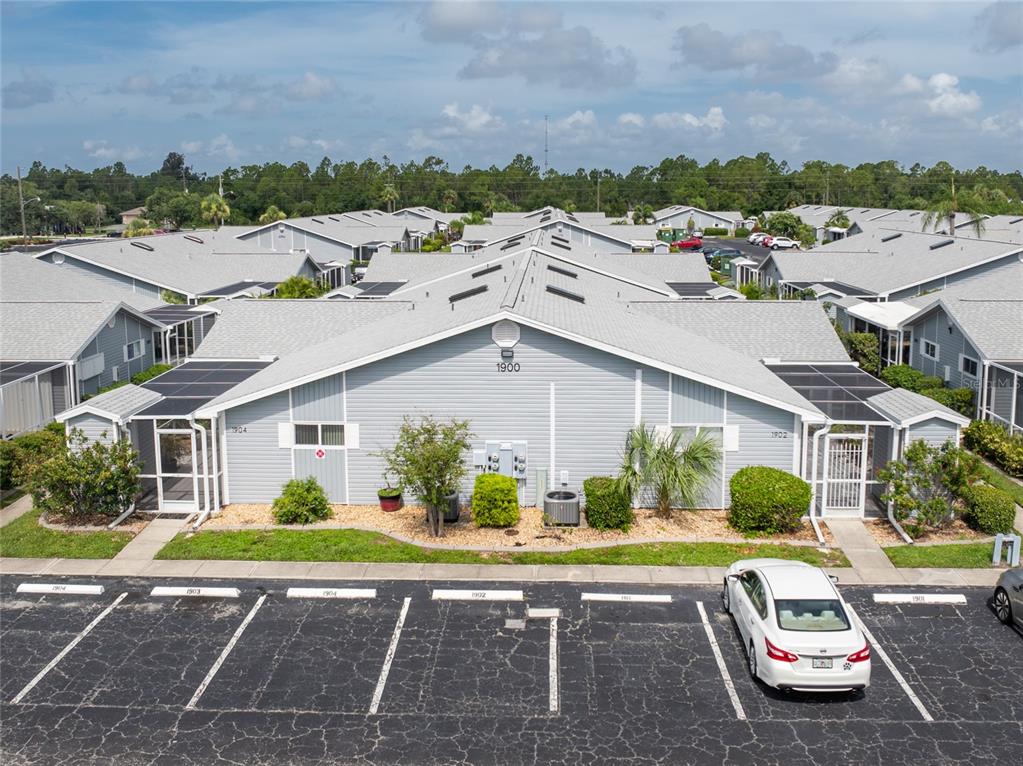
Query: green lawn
{"points": [[359, 545], [965, 556], [24, 538]]}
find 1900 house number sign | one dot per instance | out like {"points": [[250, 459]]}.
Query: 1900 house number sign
{"points": [[508, 367]]}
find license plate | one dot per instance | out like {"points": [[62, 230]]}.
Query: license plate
{"points": [[822, 662]]}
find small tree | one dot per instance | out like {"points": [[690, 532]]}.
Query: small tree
{"points": [[642, 214], [298, 286], [214, 209], [87, 478], [139, 227], [677, 473], [838, 220], [449, 198], [272, 214], [428, 460], [389, 195], [926, 487]]}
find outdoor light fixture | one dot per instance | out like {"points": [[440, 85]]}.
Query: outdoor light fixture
{"points": [[507, 353]]}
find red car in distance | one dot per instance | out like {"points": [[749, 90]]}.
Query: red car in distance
{"points": [[688, 243]]}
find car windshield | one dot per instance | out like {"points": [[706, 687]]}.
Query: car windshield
{"points": [[811, 615]]}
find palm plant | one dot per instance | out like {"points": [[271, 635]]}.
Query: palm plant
{"points": [[450, 197], [214, 208], [947, 208], [642, 214], [838, 220], [273, 214], [389, 195], [677, 473]]}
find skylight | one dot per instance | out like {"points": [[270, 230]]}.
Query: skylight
{"points": [[487, 270], [890, 237], [566, 294], [565, 272], [943, 242]]}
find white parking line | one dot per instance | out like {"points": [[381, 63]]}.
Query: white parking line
{"points": [[722, 668], [477, 595], [920, 598], [876, 647], [651, 598], [223, 655], [542, 613], [63, 653], [554, 696], [61, 588], [332, 593], [378, 692], [168, 590]]}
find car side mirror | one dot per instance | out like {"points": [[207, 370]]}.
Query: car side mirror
{"points": [[733, 577], [833, 578]]}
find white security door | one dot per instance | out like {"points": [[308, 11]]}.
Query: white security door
{"points": [[845, 471]]}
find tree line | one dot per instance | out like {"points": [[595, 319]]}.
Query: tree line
{"points": [[68, 200]]}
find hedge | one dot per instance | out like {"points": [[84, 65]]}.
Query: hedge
{"points": [[989, 510], [742, 231], [495, 500], [607, 507], [767, 500], [302, 501], [958, 399], [992, 441], [715, 231], [17, 454]]}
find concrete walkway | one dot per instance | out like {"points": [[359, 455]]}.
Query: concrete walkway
{"points": [[862, 550], [147, 543], [15, 510]]}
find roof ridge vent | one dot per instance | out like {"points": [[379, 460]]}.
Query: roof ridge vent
{"points": [[942, 243], [193, 238], [554, 290], [143, 246]]}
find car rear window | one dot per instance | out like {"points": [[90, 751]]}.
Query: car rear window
{"points": [[811, 615]]}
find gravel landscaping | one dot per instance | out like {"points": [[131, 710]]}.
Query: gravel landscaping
{"points": [[958, 532], [530, 533]]}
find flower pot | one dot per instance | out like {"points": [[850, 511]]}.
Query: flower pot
{"points": [[390, 503]]}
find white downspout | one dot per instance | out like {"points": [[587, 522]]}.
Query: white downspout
{"points": [[206, 473], [896, 442], [813, 485], [216, 464]]}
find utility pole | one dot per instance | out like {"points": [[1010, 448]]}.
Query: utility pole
{"points": [[598, 194], [546, 131], [827, 186], [21, 203], [184, 178], [220, 192]]}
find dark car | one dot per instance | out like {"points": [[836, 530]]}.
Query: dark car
{"points": [[722, 253]]}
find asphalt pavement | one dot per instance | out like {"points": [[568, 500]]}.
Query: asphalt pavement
{"points": [[401, 672]]}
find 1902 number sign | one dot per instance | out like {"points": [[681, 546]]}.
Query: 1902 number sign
{"points": [[508, 367]]}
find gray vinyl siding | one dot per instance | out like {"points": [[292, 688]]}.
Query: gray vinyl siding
{"points": [[110, 277], [959, 277], [329, 471], [700, 221], [94, 428], [761, 427], [320, 248], [457, 377], [935, 328], [110, 341], [934, 431], [655, 397], [320, 401], [256, 467], [695, 403], [59, 390]]}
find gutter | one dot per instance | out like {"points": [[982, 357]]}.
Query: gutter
{"points": [[813, 485]]}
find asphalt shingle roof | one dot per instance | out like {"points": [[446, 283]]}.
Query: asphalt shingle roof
{"points": [[119, 403], [900, 405], [50, 330]]}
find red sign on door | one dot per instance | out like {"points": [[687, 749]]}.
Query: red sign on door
{"points": [[320, 454]]}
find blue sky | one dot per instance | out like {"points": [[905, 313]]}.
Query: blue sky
{"points": [[90, 83]]}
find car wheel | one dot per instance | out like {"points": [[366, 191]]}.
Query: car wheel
{"points": [[726, 600], [752, 660], [774, 247], [1003, 609]]}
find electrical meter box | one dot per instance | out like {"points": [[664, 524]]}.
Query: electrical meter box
{"points": [[508, 458]]}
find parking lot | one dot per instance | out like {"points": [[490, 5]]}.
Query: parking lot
{"points": [[482, 673]]}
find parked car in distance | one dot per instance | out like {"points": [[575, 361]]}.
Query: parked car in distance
{"points": [[766, 241], [1008, 597], [698, 233], [783, 243], [724, 253], [689, 243], [798, 632], [756, 237]]}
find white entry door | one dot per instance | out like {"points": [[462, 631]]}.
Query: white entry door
{"points": [[845, 471]]}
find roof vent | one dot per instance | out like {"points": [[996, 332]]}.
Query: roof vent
{"points": [[316, 220], [915, 213], [505, 333], [193, 238], [1015, 221], [565, 272], [487, 270], [566, 294], [143, 246], [333, 218], [467, 294], [943, 243], [890, 237]]}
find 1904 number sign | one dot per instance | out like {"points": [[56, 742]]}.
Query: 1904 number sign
{"points": [[508, 367]]}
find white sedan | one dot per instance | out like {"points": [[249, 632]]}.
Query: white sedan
{"points": [[797, 631]]}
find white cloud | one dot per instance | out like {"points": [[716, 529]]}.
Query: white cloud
{"points": [[1001, 26], [908, 83], [578, 120], [761, 52], [714, 120], [631, 120], [138, 84], [222, 146], [948, 99], [310, 87], [761, 121], [191, 147], [102, 150], [474, 120]]}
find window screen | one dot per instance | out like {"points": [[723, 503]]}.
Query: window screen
{"points": [[306, 434], [332, 435]]}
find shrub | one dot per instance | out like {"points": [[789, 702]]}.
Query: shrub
{"points": [[989, 510], [752, 291], [958, 399], [931, 381], [742, 231], [495, 500], [146, 375], [991, 440], [20, 454], [607, 507], [715, 231], [8, 461], [902, 376], [767, 500], [84, 478], [925, 487], [863, 347], [302, 501]]}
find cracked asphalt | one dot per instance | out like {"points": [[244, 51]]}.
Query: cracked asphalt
{"points": [[471, 681]]}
